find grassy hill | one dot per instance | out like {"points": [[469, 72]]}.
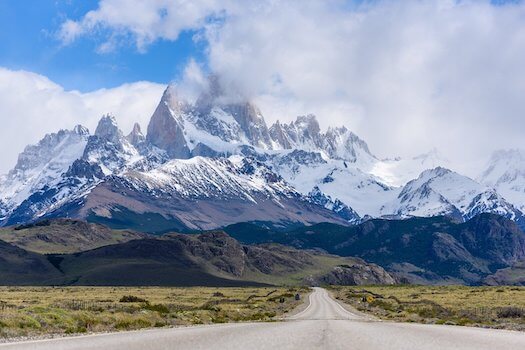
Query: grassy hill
{"points": [[207, 259], [63, 236]]}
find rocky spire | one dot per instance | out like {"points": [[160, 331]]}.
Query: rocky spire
{"points": [[107, 129], [81, 130], [279, 136], [165, 129], [308, 128], [341, 143], [136, 137]]}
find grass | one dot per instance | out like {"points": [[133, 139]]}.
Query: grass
{"points": [[494, 307], [44, 311], [63, 236]]}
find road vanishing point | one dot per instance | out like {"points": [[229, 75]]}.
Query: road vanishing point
{"points": [[323, 324]]}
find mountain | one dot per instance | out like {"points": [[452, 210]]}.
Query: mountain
{"points": [[434, 250], [399, 171], [41, 165], [305, 134], [198, 193], [440, 191], [214, 161], [211, 258], [513, 275], [505, 173], [338, 179]]}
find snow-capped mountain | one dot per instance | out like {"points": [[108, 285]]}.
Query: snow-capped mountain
{"points": [[339, 179], [506, 174], [440, 191], [215, 161], [198, 193], [42, 165]]}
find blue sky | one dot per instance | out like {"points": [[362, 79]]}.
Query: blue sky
{"points": [[28, 41]]}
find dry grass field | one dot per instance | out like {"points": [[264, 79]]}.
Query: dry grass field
{"points": [[494, 307], [42, 311]]}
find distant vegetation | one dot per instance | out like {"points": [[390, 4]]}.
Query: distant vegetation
{"points": [[40, 311], [494, 307]]}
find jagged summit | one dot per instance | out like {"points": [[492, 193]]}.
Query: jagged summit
{"points": [[166, 129], [108, 129], [136, 137], [441, 191], [336, 143], [219, 124], [81, 130]]}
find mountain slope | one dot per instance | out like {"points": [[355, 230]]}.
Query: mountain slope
{"points": [[20, 267], [199, 193], [419, 250], [211, 258], [41, 165], [62, 236]]}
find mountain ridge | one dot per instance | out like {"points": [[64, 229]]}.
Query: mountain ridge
{"points": [[300, 174], [210, 258]]}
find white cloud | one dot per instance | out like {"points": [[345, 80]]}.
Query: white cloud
{"points": [[32, 105], [405, 75], [140, 21]]}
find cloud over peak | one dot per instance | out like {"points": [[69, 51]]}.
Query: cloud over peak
{"points": [[406, 76]]}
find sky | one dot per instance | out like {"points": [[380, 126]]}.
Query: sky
{"points": [[406, 76]]}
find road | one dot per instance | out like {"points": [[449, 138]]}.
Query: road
{"points": [[324, 324]]}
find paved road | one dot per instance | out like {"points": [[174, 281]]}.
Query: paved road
{"points": [[324, 324]]}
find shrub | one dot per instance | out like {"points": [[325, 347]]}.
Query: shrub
{"points": [[132, 299], [160, 308], [511, 312]]}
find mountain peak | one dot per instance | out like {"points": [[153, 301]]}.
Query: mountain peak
{"points": [[136, 129], [165, 128], [81, 130], [308, 124], [505, 166], [136, 137], [107, 129], [435, 172]]}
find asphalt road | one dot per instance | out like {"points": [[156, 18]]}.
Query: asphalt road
{"points": [[324, 324]]}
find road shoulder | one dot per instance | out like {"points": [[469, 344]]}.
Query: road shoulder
{"points": [[300, 308], [352, 310]]}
